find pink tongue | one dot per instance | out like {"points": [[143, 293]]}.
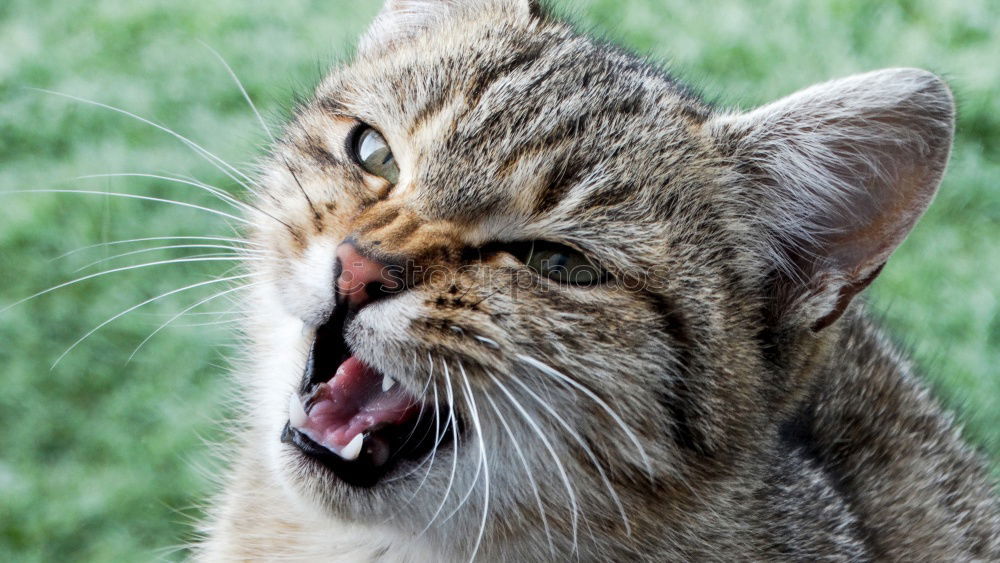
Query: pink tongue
{"points": [[353, 403]]}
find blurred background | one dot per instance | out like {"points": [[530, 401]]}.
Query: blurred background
{"points": [[102, 458]]}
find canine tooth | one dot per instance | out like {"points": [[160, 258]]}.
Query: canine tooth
{"points": [[352, 450], [296, 414], [387, 383]]}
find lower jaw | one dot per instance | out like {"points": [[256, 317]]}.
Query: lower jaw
{"points": [[398, 501], [404, 446]]}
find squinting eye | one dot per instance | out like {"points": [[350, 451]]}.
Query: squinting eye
{"points": [[374, 155], [563, 264]]}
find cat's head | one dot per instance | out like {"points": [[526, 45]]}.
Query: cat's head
{"points": [[559, 298]]}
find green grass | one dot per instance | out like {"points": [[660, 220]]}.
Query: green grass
{"points": [[103, 460]]}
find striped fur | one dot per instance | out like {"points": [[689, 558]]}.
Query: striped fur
{"points": [[723, 400]]}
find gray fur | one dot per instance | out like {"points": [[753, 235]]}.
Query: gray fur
{"points": [[730, 404]]}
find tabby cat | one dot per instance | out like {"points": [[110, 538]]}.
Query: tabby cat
{"points": [[527, 298]]}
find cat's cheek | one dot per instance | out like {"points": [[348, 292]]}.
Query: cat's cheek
{"points": [[279, 352], [280, 348], [382, 335], [306, 283]]}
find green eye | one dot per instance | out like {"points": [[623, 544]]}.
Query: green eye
{"points": [[374, 155], [564, 265]]}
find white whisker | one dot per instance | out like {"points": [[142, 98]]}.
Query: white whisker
{"points": [[236, 314], [527, 470], [478, 425], [217, 192], [208, 324], [600, 402], [583, 444], [236, 252], [472, 487], [153, 239], [187, 310], [575, 509], [116, 270], [438, 437], [133, 196], [420, 415], [143, 304], [437, 442], [454, 459], [214, 160], [243, 90]]}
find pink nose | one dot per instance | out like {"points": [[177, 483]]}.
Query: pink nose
{"points": [[362, 279]]}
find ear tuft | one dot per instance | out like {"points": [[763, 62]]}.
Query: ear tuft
{"points": [[840, 173]]}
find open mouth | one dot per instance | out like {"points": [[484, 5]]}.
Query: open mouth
{"points": [[357, 422]]}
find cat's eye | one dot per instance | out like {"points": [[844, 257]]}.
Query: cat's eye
{"points": [[372, 153], [563, 264]]}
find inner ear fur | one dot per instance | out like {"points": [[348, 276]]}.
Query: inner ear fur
{"points": [[838, 174]]}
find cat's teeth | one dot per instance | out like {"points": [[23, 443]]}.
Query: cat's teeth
{"points": [[296, 414], [387, 383], [352, 450]]}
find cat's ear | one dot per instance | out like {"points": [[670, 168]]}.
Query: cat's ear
{"points": [[840, 173], [400, 20]]}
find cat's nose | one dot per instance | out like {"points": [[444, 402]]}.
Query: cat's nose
{"points": [[363, 280]]}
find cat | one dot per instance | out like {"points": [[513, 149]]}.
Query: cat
{"points": [[526, 297]]}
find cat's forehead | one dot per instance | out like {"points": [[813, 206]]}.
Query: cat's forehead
{"points": [[512, 120]]}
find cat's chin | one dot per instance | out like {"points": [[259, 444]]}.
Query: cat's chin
{"points": [[323, 481]]}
